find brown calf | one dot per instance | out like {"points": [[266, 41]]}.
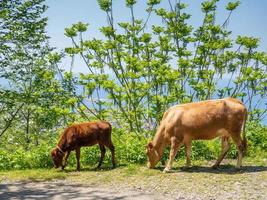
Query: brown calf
{"points": [[199, 121], [79, 135]]}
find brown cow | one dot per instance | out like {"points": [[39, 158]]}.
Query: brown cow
{"points": [[79, 135], [203, 120]]}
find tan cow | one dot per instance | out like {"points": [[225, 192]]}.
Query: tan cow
{"points": [[203, 120]]}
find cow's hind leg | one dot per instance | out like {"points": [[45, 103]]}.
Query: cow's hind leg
{"points": [[103, 152], [238, 141], [175, 146], [78, 153], [187, 151], [112, 149], [225, 148]]}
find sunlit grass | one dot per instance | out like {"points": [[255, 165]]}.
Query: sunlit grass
{"points": [[33, 174], [131, 172]]}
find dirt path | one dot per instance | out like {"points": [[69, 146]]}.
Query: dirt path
{"points": [[136, 182], [64, 190]]}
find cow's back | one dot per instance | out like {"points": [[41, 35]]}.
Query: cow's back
{"points": [[206, 119], [236, 114], [87, 134]]}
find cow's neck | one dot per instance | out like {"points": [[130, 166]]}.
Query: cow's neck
{"points": [[159, 143], [61, 144]]}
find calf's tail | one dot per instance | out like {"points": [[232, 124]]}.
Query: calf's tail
{"points": [[110, 131]]}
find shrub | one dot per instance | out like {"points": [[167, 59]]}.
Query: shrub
{"points": [[129, 148]]}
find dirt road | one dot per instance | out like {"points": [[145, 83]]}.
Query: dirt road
{"points": [[64, 190], [137, 182]]}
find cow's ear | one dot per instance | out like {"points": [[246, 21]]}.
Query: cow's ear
{"points": [[53, 153], [59, 153], [150, 145]]}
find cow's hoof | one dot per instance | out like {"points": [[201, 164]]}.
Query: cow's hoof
{"points": [[188, 166], [215, 166], [238, 169], [163, 162], [166, 170]]}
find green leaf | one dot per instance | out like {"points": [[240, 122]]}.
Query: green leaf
{"points": [[70, 32], [232, 5]]}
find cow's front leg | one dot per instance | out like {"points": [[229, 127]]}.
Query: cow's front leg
{"points": [[78, 152], [103, 152], [65, 160], [225, 148], [175, 146]]}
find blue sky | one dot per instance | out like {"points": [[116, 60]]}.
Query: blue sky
{"points": [[249, 19]]}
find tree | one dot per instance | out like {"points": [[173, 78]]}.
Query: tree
{"points": [[145, 72], [33, 99]]}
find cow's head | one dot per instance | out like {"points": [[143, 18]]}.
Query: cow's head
{"points": [[152, 155], [57, 157]]}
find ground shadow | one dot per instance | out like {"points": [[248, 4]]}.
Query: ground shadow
{"points": [[52, 190], [222, 169]]}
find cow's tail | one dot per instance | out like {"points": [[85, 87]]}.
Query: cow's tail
{"points": [[244, 141], [110, 131]]}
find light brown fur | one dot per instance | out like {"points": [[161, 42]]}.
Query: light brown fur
{"points": [[203, 120], [79, 135]]}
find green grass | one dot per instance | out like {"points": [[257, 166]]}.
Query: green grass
{"points": [[126, 171], [34, 175]]}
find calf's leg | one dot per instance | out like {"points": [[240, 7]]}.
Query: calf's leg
{"points": [[65, 160], [78, 153], [112, 149], [225, 148], [103, 152]]}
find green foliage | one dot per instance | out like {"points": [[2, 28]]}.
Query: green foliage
{"points": [[257, 137], [144, 72], [34, 100], [105, 5], [128, 149], [19, 158], [232, 5]]}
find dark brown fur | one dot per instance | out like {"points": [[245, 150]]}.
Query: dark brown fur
{"points": [[79, 135]]}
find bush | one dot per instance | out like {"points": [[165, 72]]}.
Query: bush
{"points": [[257, 139], [19, 158], [129, 148]]}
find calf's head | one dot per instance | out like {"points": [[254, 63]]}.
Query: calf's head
{"points": [[152, 155], [57, 157]]}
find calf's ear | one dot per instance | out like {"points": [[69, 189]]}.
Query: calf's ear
{"points": [[53, 153], [59, 153]]}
